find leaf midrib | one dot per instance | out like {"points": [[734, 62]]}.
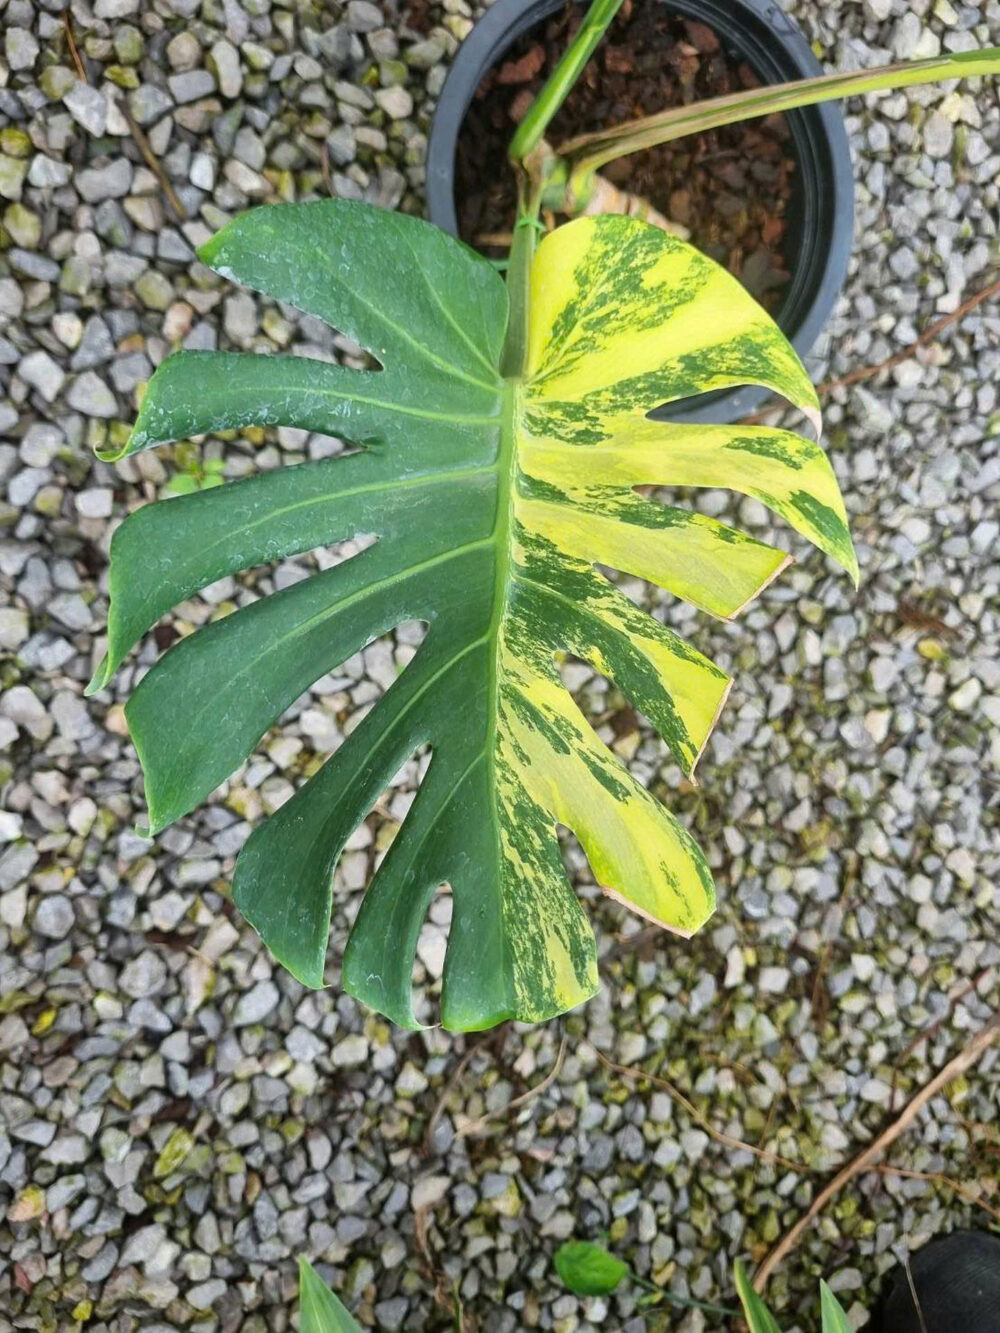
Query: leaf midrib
{"points": [[503, 558]]}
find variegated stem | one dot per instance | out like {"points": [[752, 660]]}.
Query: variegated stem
{"points": [[587, 153], [522, 252]]}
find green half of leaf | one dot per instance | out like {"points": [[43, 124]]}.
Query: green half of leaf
{"points": [[494, 503], [588, 1269], [319, 1310]]}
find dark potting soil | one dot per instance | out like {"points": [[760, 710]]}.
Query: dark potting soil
{"points": [[730, 187]]}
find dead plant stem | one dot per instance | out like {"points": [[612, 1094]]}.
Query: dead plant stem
{"points": [[720, 1136], [970, 1054], [74, 50]]}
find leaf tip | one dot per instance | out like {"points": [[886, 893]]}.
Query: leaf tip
{"points": [[158, 819], [311, 975], [100, 678], [212, 252], [112, 455], [853, 568], [246, 886], [208, 250], [720, 705]]}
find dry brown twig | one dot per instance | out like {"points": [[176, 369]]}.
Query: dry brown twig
{"points": [[151, 160], [818, 993], [933, 1029], [631, 944], [764, 1136], [73, 48], [929, 334], [475, 1126], [939, 1178], [914, 617], [445, 1296], [448, 1089], [913, 1293], [890, 362], [135, 129], [727, 1140], [974, 1049]]}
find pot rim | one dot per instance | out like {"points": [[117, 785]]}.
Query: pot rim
{"points": [[821, 216]]}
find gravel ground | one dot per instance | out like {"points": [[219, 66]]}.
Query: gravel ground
{"points": [[178, 1118]]}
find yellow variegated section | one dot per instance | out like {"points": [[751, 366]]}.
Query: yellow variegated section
{"points": [[623, 318], [628, 319], [690, 555], [638, 853], [785, 471]]}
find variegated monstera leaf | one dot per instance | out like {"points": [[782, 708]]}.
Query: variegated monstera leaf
{"points": [[492, 501]]}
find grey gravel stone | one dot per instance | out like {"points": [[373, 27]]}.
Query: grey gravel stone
{"points": [[54, 916], [363, 16], [21, 48], [31, 265], [143, 1245], [111, 181], [14, 627], [43, 373], [95, 503], [183, 51], [143, 976], [395, 101], [45, 170], [256, 1004], [342, 145], [147, 104], [96, 345], [938, 135], [87, 106], [228, 70], [188, 87], [101, 1265], [90, 395]]}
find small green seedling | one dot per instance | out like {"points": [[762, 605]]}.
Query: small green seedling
{"points": [[319, 1310], [760, 1320], [588, 1269]]}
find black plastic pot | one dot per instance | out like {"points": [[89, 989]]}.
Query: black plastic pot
{"points": [[821, 211], [950, 1285]]}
